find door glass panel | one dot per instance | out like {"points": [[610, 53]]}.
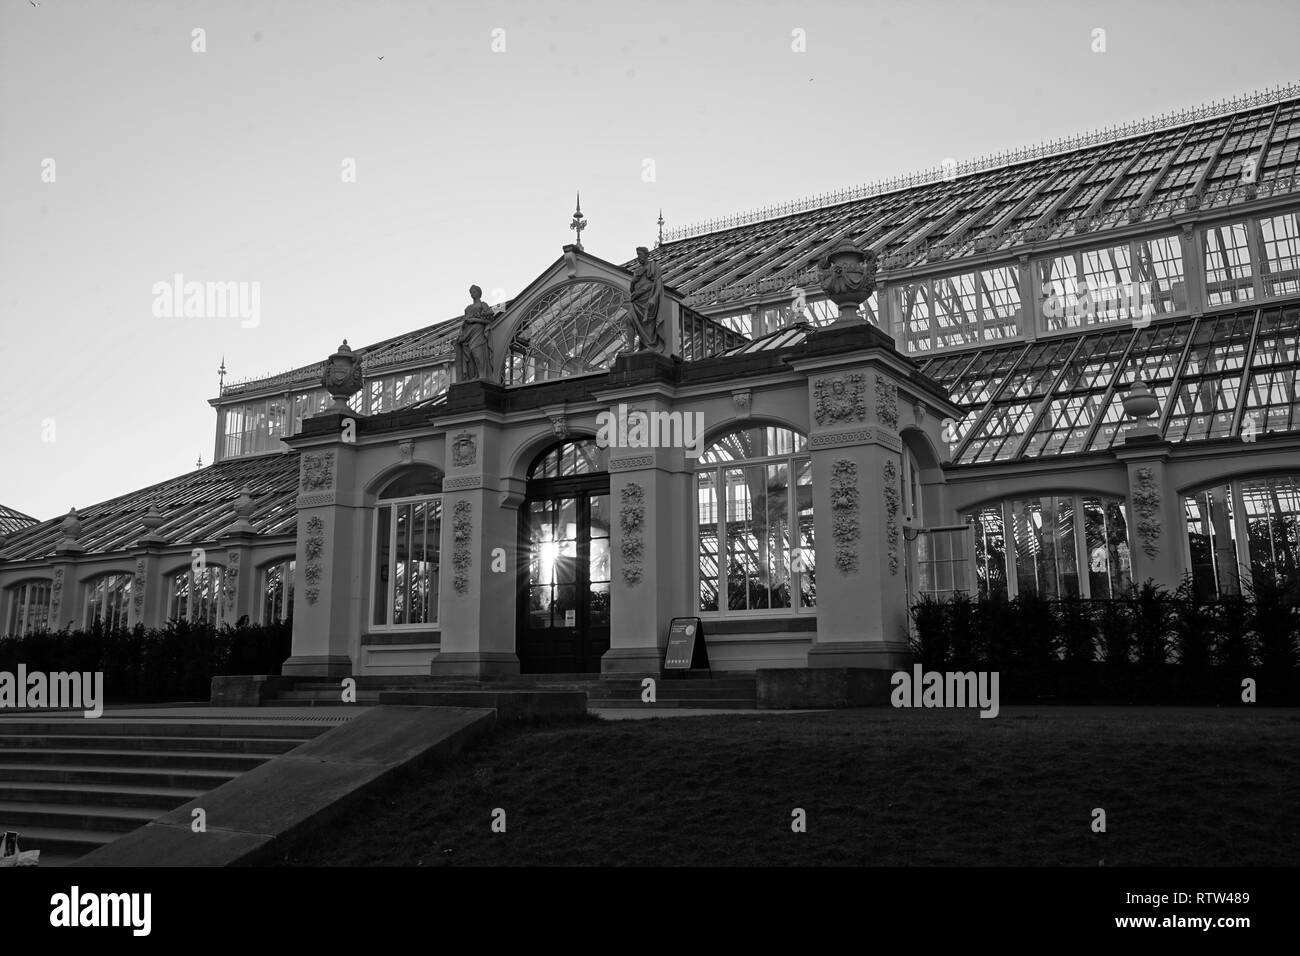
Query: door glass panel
{"points": [[566, 528], [600, 516], [539, 606], [598, 562], [566, 562], [599, 611], [566, 599]]}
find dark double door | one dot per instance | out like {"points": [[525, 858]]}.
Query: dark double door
{"points": [[564, 588]]}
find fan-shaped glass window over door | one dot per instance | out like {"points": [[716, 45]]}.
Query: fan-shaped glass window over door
{"points": [[574, 329]]}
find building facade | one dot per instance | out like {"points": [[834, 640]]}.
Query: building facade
{"points": [[1067, 370]]}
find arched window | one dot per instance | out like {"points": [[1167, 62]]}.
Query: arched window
{"points": [[1058, 546], [277, 591], [195, 595], [567, 459], [754, 523], [408, 530], [574, 329], [29, 607], [108, 599]]}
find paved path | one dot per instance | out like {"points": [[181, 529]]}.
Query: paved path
{"points": [[647, 713]]}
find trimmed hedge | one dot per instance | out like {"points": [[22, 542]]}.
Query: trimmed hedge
{"points": [[1150, 647], [173, 663]]}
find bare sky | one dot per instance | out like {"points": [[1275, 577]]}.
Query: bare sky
{"points": [[226, 165]]}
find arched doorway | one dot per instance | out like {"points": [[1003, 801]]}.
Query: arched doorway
{"points": [[564, 526]]}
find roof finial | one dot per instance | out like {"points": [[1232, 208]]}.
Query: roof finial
{"points": [[578, 224], [199, 462], [660, 241], [221, 376]]}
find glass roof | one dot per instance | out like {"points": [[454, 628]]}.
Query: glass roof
{"points": [[1220, 376], [196, 507], [1105, 181], [11, 520]]}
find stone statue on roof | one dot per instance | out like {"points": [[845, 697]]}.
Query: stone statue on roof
{"points": [[647, 292], [473, 351]]}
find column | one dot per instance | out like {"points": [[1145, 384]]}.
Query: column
{"points": [[331, 550], [1154, 511], [479, 560], [651, 555], [857, 507]]}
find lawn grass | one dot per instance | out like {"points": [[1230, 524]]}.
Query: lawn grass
{"points": [[881, 787]]}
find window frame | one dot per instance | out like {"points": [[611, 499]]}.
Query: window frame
{"points": [[13, 604], [390, 584], [791, 460], [90, 585], [289, 563], [1078, 532]]}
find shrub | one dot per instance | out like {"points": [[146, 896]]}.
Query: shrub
{"points": [[172, 663]]}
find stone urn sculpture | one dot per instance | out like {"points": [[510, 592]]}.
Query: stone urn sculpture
{"points": [[342, 379], [847, 275], [70, 531], [1140, 405]]}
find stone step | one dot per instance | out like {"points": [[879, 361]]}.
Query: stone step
{"points": [[327, 696], [269, 746], [284, 730], [674, 693], [60, 845], [706, 703], [161, 778], [174, 759], [97, 794], [18, 815], [364, 701]]}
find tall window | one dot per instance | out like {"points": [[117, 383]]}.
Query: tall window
{"points": [[196, 595], [108, 599], [1059, 546], [408, 528], [29, 608], [910, 486], [277, 591], [1212, 542], [1271, 509], [754, 510]]}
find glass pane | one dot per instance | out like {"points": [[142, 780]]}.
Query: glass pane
{"points": [[598, 561], [807, 570], [777, 541], [599, 516], [744, 589], [567, 526], [1033, 528], [401, 563], [707, 505], [566, 562], [539, 607], [566, 599], [1067, 564], [599, 605]]}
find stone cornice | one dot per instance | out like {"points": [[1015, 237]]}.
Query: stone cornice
{"points": [[870, 435]]}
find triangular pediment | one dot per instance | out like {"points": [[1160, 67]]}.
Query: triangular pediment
{"points": [[570, 320]]}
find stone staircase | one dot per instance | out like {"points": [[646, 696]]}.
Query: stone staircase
{"points": [[696, 689], [69, 785]]}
